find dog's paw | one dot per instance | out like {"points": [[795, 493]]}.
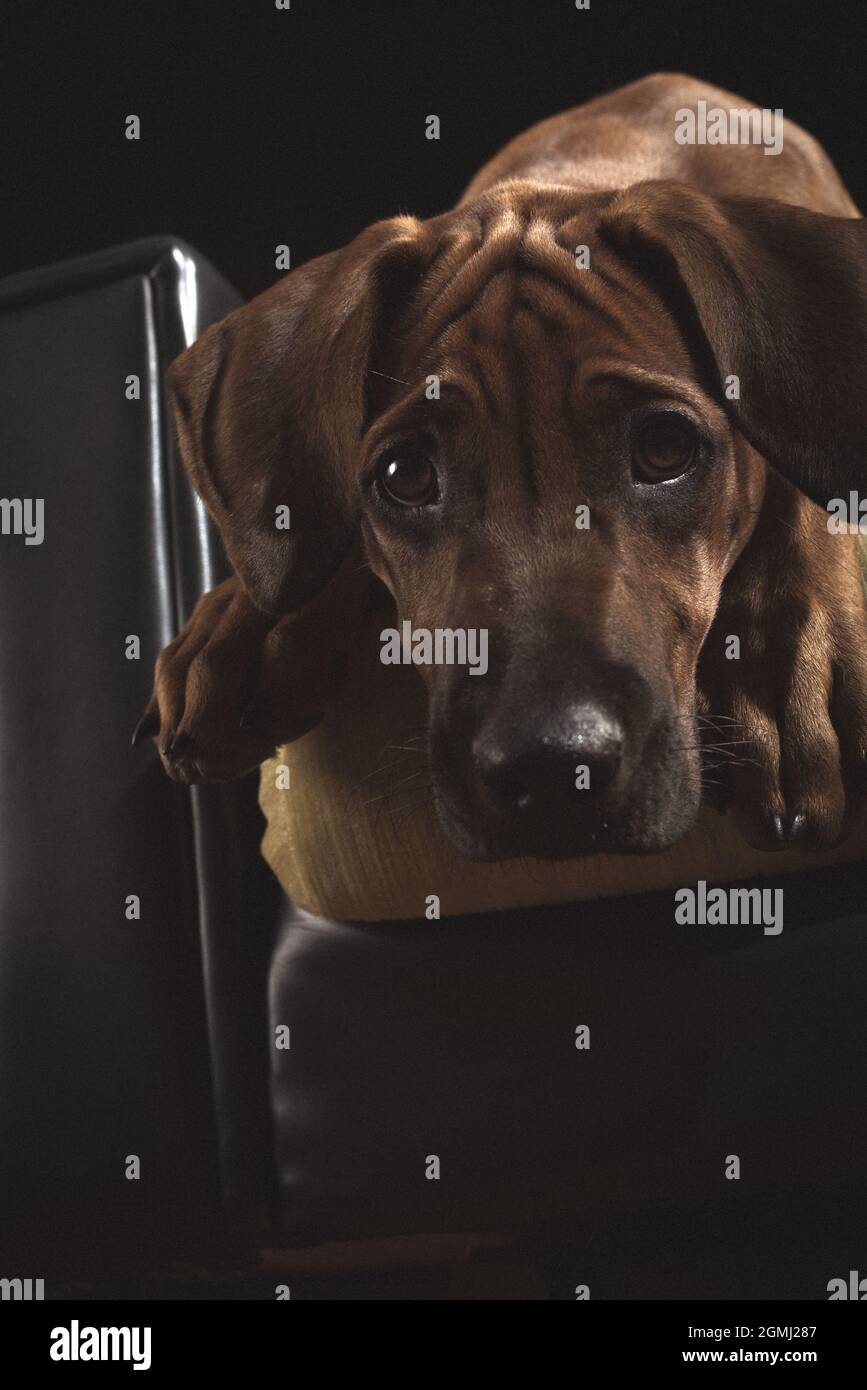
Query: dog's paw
{"points": [[206, 712], [235, 684], [783, 710]]}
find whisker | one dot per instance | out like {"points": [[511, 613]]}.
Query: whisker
{"points": [[411, 778], [398, 379], [391, 790], [378, 771], [712, 718]]}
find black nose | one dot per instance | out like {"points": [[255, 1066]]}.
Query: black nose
{"points": [[564, 765]]}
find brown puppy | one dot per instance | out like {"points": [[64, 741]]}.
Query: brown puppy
{"points": [[435, 401]]}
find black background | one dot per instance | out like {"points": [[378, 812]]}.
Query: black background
{"points": [[261, 126]]}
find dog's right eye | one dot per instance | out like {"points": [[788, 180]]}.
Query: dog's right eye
{"points": [[407, 479], [665, 447]]}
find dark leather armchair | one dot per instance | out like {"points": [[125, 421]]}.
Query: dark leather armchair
{"points": [[112, 1039], [152, 1036]]}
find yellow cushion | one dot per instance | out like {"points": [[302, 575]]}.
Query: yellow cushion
{"points": [[354, 836]]}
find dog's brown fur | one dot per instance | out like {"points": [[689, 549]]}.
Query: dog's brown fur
{"points": [[706, 261]]}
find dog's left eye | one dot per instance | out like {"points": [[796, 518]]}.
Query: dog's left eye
{"points": [[408, 479], [666, 445]]}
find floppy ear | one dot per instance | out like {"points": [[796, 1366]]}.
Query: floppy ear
{"points": [[269, 406], [776, 296]]}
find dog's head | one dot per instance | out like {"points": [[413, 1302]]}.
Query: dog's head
{"points": [[547, 417]]}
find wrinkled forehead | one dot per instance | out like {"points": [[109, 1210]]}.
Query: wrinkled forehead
{"points": [[528, 311]]}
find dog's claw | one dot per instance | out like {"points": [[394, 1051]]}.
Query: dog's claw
{"points": [[146, 727], [778, 827], [796, 828]]}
